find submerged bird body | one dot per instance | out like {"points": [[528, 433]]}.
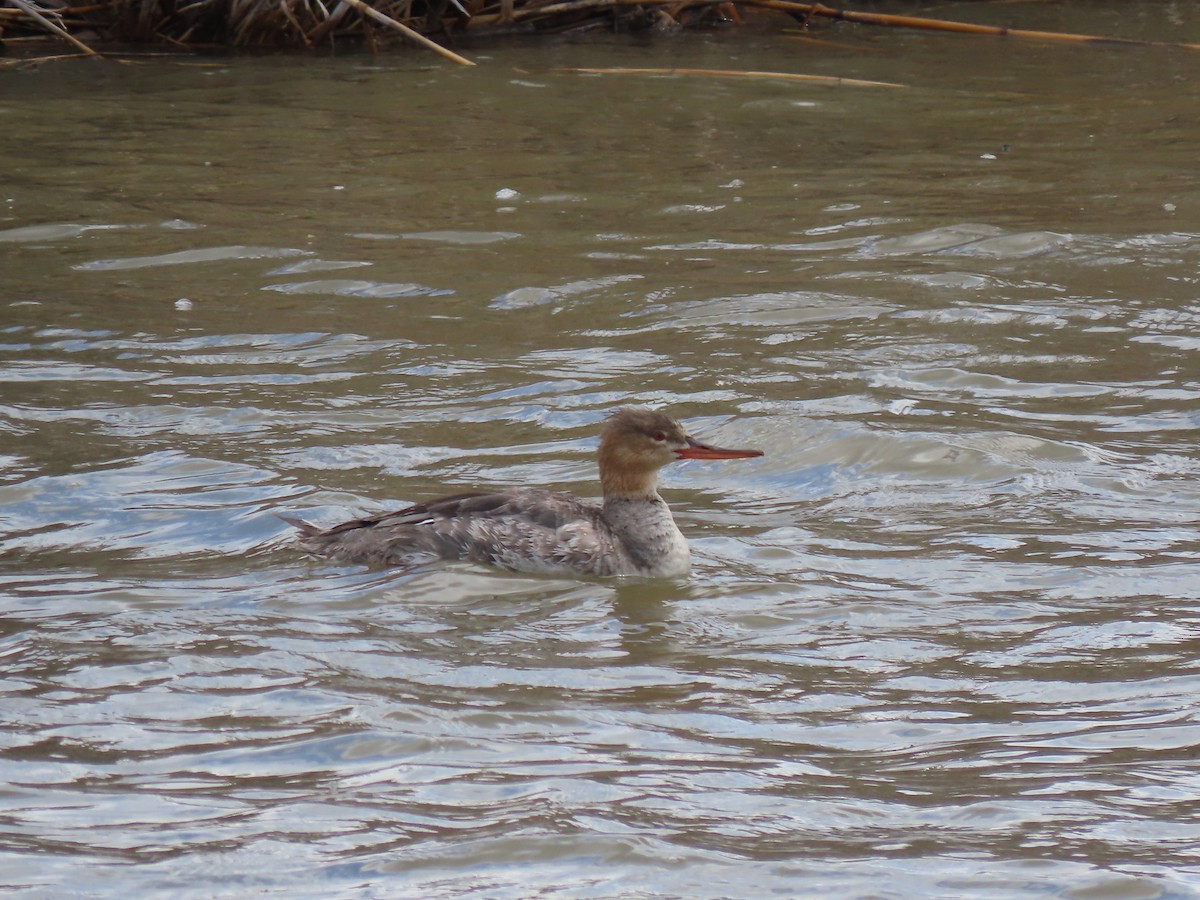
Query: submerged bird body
{"points": [[630, 532]]}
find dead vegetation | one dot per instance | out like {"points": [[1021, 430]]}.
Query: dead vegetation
{"points": [[26, 25]]}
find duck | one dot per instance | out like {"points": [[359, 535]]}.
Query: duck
{"points": [[628, 531]]}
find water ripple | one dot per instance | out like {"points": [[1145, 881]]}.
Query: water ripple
{"points": [[938, 642]]}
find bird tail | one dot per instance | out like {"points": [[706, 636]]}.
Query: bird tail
{"points": [[307, 529]]}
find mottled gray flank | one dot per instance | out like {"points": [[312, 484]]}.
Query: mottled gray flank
{"points": [[526, 530]]}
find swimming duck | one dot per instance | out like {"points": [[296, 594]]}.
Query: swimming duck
{"points": [[629, 532]]}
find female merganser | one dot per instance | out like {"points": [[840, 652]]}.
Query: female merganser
{"points": [[631, 532]]}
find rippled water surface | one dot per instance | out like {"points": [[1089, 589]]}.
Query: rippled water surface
{"points": [[940, 642]]}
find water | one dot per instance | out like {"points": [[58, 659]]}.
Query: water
{"points": [[940, 642]]}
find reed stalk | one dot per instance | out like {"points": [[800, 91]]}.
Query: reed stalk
{"points": [[867, 18], [409, 33], [739, 73], [30, 10]]}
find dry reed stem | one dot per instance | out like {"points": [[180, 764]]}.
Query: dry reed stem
{"points": [[34, 14], [334, 19], [738, 73], [825, 42], [31, 61], [416, 36], [819, 9], [294, 22], [553, 9]]}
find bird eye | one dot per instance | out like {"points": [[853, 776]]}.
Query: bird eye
{"points": [[659, 436]]}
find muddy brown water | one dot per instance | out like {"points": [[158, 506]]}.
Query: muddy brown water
{"points": [[940, 642]]}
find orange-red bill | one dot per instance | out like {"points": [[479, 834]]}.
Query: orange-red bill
{"points": [[697, 450]]}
